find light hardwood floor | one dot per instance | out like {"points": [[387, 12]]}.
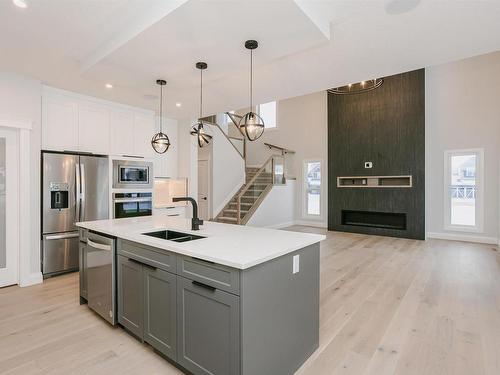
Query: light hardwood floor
{"points": [[388, 306]]}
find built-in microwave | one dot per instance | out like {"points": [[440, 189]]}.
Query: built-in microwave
{"points": [[132, 174]]}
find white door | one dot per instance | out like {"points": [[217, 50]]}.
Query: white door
{"points": [[203, 192], [9, 207]]}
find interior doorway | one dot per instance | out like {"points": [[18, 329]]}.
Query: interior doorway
{"points": [[9, 207], [204, 189]]}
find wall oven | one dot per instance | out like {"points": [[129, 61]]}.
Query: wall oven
{"points": [[132, 174], [132, 204]]}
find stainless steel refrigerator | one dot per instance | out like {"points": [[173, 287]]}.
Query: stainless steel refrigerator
{"points": [[74, 188]]}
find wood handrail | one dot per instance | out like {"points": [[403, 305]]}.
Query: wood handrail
{"points": [[282, 149]]}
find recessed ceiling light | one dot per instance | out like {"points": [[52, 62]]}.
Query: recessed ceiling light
{"points": [[20, 3], [178, 104], [109, 86], [396, 7]]}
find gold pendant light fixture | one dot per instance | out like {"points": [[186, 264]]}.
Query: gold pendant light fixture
{"points": [[198, 129], [251, 124], [160, 141]]}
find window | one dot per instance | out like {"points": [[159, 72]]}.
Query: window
{"points": [[463, 190], [268, 113], [312, 188]]}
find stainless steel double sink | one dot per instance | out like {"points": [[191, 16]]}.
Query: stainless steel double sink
{"points": [[172, 235]]}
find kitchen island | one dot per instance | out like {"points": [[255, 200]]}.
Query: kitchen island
{"points": [[225, 299]]}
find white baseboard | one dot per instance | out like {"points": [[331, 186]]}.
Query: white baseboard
{"points": [[281, 225], [463, 237], [311, 223], [31, 279]]}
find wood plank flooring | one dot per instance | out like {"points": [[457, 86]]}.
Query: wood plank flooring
{"points": [[388, 306]]}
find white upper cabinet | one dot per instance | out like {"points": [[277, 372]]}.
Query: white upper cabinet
{"points": [[144, 129], [60, 123], [75, 122], [121, 132], [93, 128]]}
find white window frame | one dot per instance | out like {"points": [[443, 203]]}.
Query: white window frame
{"points": [[258, 112], [479, 205], [305, 215]]}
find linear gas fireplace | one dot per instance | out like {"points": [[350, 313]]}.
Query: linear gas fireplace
{"points": [[386, 220]]}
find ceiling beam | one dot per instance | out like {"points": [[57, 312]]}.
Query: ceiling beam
{"points": [[142, 21], [313, 10]]}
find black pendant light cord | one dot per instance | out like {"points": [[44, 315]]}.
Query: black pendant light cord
{"points": [[161, 108], [201, 93], [251, 80]]}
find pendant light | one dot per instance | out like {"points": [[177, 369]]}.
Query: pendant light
{"points": [[160, 141], [251, 125], [198, 129]]}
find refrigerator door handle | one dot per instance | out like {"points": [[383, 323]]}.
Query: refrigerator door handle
{"points": [[61, 236], [77, 191], [82, 189]]}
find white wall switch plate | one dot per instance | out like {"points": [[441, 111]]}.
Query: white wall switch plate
{"points": [[368, 164], [296, 264]]}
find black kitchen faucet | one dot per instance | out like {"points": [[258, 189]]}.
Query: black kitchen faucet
{"points": [[195, 221]]}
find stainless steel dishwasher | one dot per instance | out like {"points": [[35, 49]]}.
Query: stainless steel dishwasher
{"points": [[101, 275]]}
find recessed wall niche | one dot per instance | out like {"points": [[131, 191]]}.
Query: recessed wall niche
{"points": [[385, 126]]}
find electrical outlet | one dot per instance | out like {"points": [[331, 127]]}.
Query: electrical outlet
{"points": [[296, 264], [368, 164]]}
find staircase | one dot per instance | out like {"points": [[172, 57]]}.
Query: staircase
{"points": [[255, 189]]}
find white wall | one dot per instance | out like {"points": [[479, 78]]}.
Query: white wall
{"points": [[463, 111], [228, 170], [188, 159], [302, 127], [20, 98], [277, 210]]}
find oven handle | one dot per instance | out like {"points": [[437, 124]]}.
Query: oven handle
{"points": [[99, 246], [132, 200]]}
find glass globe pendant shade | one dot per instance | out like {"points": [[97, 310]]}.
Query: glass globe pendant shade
{"points": [[160, 142], [202, 135], [252, 126]]}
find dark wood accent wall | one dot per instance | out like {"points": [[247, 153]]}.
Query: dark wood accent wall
{"points": [[387, 127]]}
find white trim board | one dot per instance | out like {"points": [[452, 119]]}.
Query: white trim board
{"points": [[462, 237]]}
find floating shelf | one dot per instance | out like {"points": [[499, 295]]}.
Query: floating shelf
{"points": [[374, 182]]}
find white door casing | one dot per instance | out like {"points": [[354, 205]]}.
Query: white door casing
{"points": [[9, 207], [203, 189]]}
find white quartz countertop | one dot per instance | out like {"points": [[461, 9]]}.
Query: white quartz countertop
{"points": [[231, 245]]}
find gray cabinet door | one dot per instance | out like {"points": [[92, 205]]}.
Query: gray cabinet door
{"points": [[130, 295], [208, 331], [160, 323], [83, 269]]}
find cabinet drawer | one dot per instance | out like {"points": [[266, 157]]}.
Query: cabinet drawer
{"points": [[216, 275], [154, 257]]}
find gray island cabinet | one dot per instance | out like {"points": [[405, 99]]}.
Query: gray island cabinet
{"points": [[235, 300], [214, 319]]}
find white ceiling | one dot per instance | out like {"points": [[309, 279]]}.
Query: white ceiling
{"points": [[305, 45]]}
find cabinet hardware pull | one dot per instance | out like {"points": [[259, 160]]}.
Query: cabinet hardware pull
{"points": [[142, 264], [202, 260], [201, 285]]}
